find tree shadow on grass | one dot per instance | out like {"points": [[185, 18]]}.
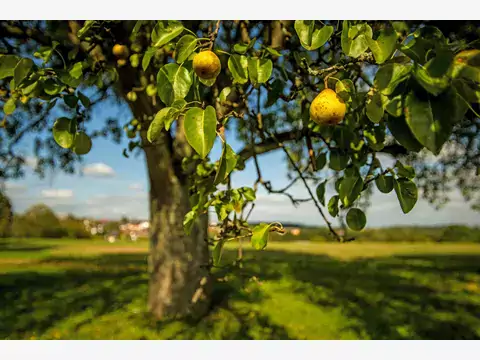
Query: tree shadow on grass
{"points": [[402, 297], [18, 246]]}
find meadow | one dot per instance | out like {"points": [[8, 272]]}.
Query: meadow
{"points": [[89, 289]]}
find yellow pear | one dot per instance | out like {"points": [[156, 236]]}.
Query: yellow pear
{"points": [[206, 65], [120, 51], [327, 108]]}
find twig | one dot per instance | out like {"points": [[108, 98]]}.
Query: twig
{"points": [[214, 34], [309, 191]]}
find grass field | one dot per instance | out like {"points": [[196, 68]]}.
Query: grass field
{"points": [[73, 289]]}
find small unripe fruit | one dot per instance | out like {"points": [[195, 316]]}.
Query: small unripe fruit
{"points": [[132, 96], [134, 122], [121, 62], [327, 108], [151, 90], [135, 60], [131, 134], [206, 65], [120, 51]]}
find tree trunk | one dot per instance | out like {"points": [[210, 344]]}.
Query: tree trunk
{"points": [[180, 284], [179, 277]]}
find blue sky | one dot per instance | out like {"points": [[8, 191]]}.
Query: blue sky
{"points": [[112, 186]]}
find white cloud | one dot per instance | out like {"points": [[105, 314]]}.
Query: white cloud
{"points": [[136, 187], [31, 161], [13, 187], [98, 170], [57, 193]]}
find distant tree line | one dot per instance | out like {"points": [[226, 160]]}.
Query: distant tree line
{"points": [[451, 233]]}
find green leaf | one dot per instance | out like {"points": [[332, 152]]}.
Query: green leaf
{"points": [[224, 94], [394, 106], [430, 120], [466, 66], [390, 75], [238, 66], [401, 132], [259, 70], [260, 236], [76, 71], [345, 89], [406, 171], [218, 251], [384, 183], [338, 160], [321, 192], [407, 194], [223, 210], [248, 193], [374, 108], [173, 83], [189, 221], [356, 219], [162, 35], [228, 161], [375, 137], [384, 46], [312, 36], [200, 129], [240, 48], [333, 206], [345, 40], [147, 57], [274, 94], [52, 88], [7, 65], [165, 115], [82, 144], [179, 104], [83, 99], [64, 130], [84, 29], [185, 47], [208, 82], [321, 161], [343, 137], [350, 188], [273, 52], [357, 42], [70, 100], [136, 28], [433, 85], [22, 70], [9, 106]]}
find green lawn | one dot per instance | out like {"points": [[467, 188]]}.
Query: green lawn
{"points": [[74, 289]]}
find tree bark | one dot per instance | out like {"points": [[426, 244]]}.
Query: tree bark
{"points": [[179, 277], [180, 284]]}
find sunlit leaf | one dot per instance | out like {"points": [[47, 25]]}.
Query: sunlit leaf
{"points": [[200, 129], [228, 160], [333, 206], [82, 144], [64, 130], [311, 35], [173, 83], [22, 69], [238, 66], [259, 70], [185, 47], [162, 35]]}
